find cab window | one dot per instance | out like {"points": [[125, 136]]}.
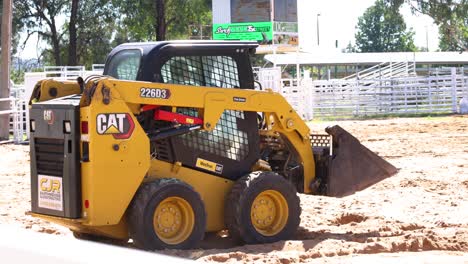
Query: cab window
{"points": [[226, 140], [125, 64], [213, 71]]}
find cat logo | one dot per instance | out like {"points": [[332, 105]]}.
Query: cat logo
{"points": [[49, 116], [119, 125]]}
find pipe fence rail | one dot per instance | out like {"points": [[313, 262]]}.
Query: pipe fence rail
{"points": [[338, 99], [20, 94], [354, 98], [18, 124]]}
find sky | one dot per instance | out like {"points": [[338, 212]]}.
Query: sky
{"points": [[337, 21]]}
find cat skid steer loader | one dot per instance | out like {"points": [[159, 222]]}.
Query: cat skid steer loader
{"points": [[173, 141]]}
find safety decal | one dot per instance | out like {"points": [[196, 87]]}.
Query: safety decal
{"points": [[239, 99], [50, 192], [209, 165], [155, 93], [119, 125]]}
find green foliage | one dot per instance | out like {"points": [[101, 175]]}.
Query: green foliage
{"points": [[450, 15], [17, 76], [95, 28], [350, 48], [103, 24], [453, 34], [383, 29], [40, 17], [140, 18]]}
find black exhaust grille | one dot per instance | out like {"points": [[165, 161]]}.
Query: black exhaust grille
{"points": [[161, 150], [49, 156]]}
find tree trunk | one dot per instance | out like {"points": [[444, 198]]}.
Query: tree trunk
{"points": [[160, 20], [56, 45], [72, 59], [5, 68]]}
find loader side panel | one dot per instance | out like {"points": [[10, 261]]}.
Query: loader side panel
{"points": [[115, 158]]}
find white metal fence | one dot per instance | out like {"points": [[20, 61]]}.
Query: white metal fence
{"points": [[344, 99], [385, 70], [339, 99], [17, 113], [20, 94]]}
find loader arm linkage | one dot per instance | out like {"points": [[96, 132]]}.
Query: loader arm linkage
{"points": [[212, 102]]}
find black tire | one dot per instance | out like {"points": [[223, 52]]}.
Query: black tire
{"points": [[239, 205], [86, 236], [142, 209], [98, 238]]}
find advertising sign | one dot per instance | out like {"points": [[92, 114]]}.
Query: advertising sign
{"points": [[286, 33], [259, 31], [50, 192]]}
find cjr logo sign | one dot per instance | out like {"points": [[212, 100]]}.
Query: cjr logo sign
{"points": [[119, 125]]}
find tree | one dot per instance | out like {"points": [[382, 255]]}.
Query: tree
{"points": [[95, 30], [383, 29], [39, 16], [349, 48], [87, 33], [16, 26], [453, 34], [161, 19], [72, 45], [451, 17], [92, 27]]}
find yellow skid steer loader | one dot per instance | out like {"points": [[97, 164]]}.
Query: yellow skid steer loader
{"points": [[173, 142]]}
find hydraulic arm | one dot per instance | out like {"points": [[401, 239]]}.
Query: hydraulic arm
{"points": [[212, 102]]}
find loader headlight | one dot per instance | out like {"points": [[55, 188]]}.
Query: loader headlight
{"points": [[32, 125], [66, 127]]}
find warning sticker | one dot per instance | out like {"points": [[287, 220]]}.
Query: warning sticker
{"points": [[209, 165], [50, 192]]}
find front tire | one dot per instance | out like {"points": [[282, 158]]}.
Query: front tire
{"points": [[166, 213], [262, 207]]}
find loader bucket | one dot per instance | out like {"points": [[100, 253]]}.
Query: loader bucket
{"points": [[352, 166]]}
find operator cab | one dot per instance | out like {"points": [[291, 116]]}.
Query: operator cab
{"points": [[232, 148]]}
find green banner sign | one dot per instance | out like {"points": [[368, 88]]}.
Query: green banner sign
{"points": [[243, 31]]}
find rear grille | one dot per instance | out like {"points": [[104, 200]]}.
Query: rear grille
{"points": [[49, 156]]}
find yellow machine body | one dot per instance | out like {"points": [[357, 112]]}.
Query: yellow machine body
{"points": [[111, 178], [115, 158], [50, 89]]}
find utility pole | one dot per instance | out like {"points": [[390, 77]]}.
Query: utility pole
{"points": [[318, 30], [427, 40], [5, 69]]}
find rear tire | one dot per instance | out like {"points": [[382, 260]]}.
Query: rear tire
{"points": [[166, 213], [262, 207]]}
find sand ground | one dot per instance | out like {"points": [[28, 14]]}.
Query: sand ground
{"points": [[419, 215]]}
